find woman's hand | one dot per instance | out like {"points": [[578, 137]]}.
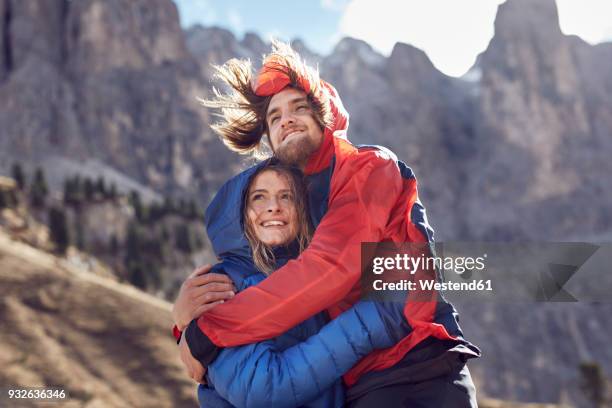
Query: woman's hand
{"points": [[200, 292], [195, 369]]}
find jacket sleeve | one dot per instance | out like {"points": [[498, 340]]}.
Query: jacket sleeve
{"points": [[260, 375], [363, 194]]}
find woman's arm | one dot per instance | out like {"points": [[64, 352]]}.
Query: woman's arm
{"points": [[259, 374]]}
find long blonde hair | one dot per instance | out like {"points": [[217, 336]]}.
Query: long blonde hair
{"points": [[263, 255]]}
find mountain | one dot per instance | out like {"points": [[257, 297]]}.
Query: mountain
{"points": [[110, 88], [111, 81], [524, 136]]}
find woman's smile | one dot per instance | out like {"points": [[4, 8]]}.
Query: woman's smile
{"points": [[271, 209]]}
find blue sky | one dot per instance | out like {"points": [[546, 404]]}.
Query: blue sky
{"points": [[315, 22], [451, 32]]}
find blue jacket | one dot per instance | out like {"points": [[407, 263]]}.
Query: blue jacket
{"points": [[303, 366]]}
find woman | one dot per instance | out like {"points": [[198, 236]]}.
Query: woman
{"points": [[303, 366]]}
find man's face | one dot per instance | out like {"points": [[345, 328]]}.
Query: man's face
{"points": [[294, 132]]}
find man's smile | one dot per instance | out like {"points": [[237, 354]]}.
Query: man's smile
{"points": [[291, 133]]}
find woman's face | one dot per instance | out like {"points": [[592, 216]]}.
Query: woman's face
{"points": [[271, 209]]}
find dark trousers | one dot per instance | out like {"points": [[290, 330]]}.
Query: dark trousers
{"points": [[453, 390]]}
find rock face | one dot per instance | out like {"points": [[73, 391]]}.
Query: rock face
{"points": [[524, 136], [110, 80], [543, 129]]}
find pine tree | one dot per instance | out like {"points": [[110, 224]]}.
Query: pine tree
{"points": [[112, 192], [100, 187], [169, 206], [79, 236], [38, 189], [165, 234], [136, 205], [192, 210], [183, 238], [593, 383], [156, 212], [89, 189], [132, 243], [153, 276], [73, 191], [58, 229], [136, 274], [5, 199], [113, 244], [19, 176]]}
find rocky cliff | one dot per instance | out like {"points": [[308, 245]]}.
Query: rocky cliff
{"points": [[110, 80]]}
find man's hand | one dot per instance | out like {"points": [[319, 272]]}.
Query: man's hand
{"points": [[194, 368], [200, 292]]}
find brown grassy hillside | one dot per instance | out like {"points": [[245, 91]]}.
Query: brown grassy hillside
{"points": [[106, 344]]}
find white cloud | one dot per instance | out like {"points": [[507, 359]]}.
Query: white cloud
{"points": [[451, 32], [591, 20], [334, 5]]}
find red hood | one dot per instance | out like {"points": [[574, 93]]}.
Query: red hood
{"points": [[272, 79]]}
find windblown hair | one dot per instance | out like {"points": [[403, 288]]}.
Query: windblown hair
{"points": [[243, 113], [263, 255]]}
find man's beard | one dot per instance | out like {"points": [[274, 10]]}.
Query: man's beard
{"points": [[296, 152]]}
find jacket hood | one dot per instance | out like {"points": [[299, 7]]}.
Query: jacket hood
{"points": [[223, 217]]}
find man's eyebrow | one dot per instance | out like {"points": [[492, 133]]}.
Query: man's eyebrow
{"points": [[271, 112], [293, 101]]}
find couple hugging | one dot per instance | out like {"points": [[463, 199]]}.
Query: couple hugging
{"points": [[278, 322]]}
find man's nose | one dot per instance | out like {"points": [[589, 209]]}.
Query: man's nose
{"points": [[287, 120]]}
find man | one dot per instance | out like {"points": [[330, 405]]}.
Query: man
{"points": [[356, 195]]}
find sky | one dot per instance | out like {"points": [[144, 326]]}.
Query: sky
{"points": [[452, 39]]}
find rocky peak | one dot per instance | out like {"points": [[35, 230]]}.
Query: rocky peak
{"points": [[408, 61], [355, 50], [102, 34], [527, 19], [310, 57], [523, 28], [215, 45], [254, 43]]}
